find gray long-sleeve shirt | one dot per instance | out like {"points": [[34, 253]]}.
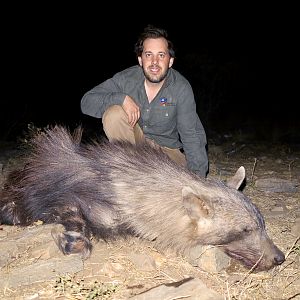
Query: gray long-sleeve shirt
{"points": [[170, 119]]}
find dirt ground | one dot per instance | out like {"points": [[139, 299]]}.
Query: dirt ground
{"points": [[121, 269]]}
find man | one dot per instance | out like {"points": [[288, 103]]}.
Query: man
{"points": [[153, 101]]}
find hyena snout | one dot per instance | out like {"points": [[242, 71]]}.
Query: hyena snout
{"points": [[272, 253], [257, 252], [279, 258]]}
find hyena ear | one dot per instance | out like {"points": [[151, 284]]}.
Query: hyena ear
{"points": [[237, 179], [196, 206]]}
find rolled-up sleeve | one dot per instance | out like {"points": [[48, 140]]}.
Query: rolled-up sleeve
{"points": [[95, 102]]}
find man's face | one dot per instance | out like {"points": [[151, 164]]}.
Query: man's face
{"points": [[155, 59]]}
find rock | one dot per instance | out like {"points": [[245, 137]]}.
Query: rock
{"points": [[295, 230], [190, 288], [37, 257], [276, 185], [209, 259], [40, 271]]}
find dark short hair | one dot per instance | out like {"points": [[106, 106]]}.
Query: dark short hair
{"points": [[152, 32]]}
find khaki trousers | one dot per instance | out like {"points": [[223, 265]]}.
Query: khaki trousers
{"points": [[116, 127]]}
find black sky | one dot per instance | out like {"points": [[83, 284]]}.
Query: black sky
{"points": [[241, 64]]}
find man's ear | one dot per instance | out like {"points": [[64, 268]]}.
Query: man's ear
{"points": [[237, 179], [171, 62], [140, 60], [196, 206]]}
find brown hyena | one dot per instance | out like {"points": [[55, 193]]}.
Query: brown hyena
{"points": [[111, 189]]}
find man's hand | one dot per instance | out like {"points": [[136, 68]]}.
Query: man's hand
{"points": [[132, 110]]}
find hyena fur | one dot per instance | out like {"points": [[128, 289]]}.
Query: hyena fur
{"points": [[106, 190]]}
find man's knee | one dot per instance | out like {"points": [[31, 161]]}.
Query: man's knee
{"points": [[113, 115], [116, 126]]}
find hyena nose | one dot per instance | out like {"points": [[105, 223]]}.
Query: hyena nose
{"points": [[279, 258]]}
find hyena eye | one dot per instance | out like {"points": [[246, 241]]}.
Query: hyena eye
{"points": [[247, 230]]}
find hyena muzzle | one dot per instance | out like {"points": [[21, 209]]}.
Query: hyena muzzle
{"points": [[106, 190]]}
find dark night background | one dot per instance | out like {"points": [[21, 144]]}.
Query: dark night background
{"points": [[241, 65]]}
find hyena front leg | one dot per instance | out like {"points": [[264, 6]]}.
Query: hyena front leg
{"points": [[76, 237]]}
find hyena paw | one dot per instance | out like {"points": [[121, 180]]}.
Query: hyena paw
{"points": [[70, 242]]}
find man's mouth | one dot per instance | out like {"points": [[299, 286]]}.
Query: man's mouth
{"points": [[154, 69]]}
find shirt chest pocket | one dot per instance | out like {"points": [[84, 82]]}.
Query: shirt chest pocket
{"points": [[164, 116]]}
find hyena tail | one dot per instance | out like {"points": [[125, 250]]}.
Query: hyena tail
{"points": [[12, 210]]}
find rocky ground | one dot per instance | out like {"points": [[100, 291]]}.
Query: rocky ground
{"points": [[33, 268]]}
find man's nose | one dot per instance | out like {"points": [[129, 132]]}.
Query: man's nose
{"points": [[154, 59]]}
